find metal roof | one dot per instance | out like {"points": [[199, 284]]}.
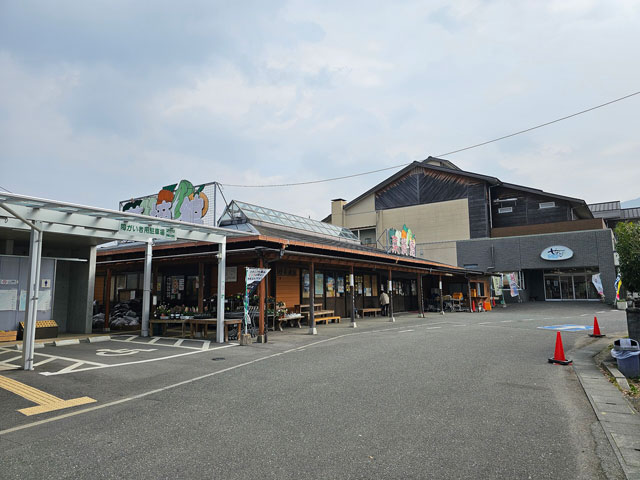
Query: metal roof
{"points": [[238, 212], [80, 220], [604, 206], [630, 213]]}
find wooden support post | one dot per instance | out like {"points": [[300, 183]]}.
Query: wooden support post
{"points": [[440, 290], [107, 300], [154, 290], [312, 300], [352, 291], [420, 296], [261, 289], [390, 287], [201, 287]]}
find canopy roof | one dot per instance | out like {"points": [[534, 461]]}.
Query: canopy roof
{"points": [[21, 212]]}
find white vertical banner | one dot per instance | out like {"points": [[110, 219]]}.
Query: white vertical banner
{"points": [[513, 284], [253, 277]]}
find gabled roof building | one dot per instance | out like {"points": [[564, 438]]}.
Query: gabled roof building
{"points": [[481, 222]]}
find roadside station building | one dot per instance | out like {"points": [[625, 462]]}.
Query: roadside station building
{"points": [[307, 258], [552, 243], [48, 260]]}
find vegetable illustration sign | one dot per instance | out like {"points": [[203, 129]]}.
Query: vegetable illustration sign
{"points": [[180, 201], [402, 241]]}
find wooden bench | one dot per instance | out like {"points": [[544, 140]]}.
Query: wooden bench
{"points": [[375, 311], [291, 318]]}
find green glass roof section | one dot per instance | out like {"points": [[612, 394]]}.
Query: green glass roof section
{"points": [[241, 210]]}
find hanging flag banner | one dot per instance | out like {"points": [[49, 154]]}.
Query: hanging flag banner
{"points": [[513, 284], [617, 285], [597, 282], [253, 277], [497, 286]]}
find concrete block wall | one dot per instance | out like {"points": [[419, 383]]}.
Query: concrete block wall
{"points": [[592, 248]]}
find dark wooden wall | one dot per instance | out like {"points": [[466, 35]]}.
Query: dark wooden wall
{"points": [[423, 186], [526, 208]]}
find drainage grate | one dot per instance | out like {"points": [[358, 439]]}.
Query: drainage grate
{"points": [[217, 359]]}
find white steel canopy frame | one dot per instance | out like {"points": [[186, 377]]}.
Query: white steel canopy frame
{"points": [[40, 216]]}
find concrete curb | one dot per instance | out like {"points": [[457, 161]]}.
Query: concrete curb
{"points": [[618, 419], [103, 338], [621, 380], [71, 341]]}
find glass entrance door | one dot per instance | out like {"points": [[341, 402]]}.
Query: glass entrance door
{"points": [[552, 287], [566, 287]]}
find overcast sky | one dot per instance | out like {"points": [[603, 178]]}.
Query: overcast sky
{"points": [[103, 101]]}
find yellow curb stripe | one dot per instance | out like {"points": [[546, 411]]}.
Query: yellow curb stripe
{"points": [[50, 407], [25, 391], [45, 401]]}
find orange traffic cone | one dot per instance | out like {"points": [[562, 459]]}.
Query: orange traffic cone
{"points": [[596, 329], [558, 356]]}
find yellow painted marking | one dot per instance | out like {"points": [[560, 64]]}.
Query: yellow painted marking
{"points": [[45, 401]]}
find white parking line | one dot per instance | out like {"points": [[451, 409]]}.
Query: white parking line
{"points": [[432, 328], [46, 360], [178, 343], [101, 365], [404, 331], [154, 340], [506, 321], [130, 340], [484, 323]]}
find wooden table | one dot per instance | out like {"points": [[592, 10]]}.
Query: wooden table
{"points": [[166, 321], [194, 322]]}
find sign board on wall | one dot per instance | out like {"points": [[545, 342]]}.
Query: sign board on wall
{"points": [[556, 252], [402, 242], [231, 274], [179, 201]]}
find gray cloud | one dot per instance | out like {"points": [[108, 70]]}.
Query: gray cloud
{"points": [[106, 100]]}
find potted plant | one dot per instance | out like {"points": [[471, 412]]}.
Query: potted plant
{"points": [[628, 248], [162, 312]]}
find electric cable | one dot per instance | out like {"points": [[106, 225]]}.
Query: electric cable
{"points": [[520, 132]]}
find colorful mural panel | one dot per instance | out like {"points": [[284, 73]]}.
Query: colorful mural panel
{"points": [[402, 242], [180, 201]]}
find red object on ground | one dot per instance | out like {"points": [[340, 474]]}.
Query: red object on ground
{"points": [[596, 329], [473, 305], [493, 301], [558, 356]]}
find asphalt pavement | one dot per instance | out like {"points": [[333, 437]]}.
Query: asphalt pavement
{"points": [[454, 396]]}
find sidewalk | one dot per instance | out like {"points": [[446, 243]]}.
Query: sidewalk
{"points": [[619, 420]]}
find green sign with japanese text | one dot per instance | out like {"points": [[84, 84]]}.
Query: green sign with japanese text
{"points": [[148, 230]]}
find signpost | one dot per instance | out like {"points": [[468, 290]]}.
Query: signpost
{"points": [[253, 277]]}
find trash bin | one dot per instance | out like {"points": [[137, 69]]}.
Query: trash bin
{"points": [[626, 351]]}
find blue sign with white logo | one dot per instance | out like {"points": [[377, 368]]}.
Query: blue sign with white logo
{"points": [[568, 328], [557, 252]]}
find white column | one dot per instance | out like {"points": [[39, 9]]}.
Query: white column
{"points": [[31, 314], [222, 265], [146, 288]]}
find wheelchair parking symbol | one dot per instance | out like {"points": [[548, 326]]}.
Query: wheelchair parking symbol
{"points": [[119, 352]]}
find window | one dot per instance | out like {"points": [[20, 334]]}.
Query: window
{"points": [[505, 210], [547, 204]]}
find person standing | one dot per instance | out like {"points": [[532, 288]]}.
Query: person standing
{"points": [[384, 303]]}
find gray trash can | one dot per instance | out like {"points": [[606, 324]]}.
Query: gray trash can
{"points": [[626, 351]]}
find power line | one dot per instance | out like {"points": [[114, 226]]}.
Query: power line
{"points": [[6, 190], [310, 182]]}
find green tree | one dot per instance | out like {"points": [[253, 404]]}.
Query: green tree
{"points": [[628, 248]]}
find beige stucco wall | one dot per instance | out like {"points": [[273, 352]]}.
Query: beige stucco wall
{"points": [[362, 214], [444, 252], [433, 222]]}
